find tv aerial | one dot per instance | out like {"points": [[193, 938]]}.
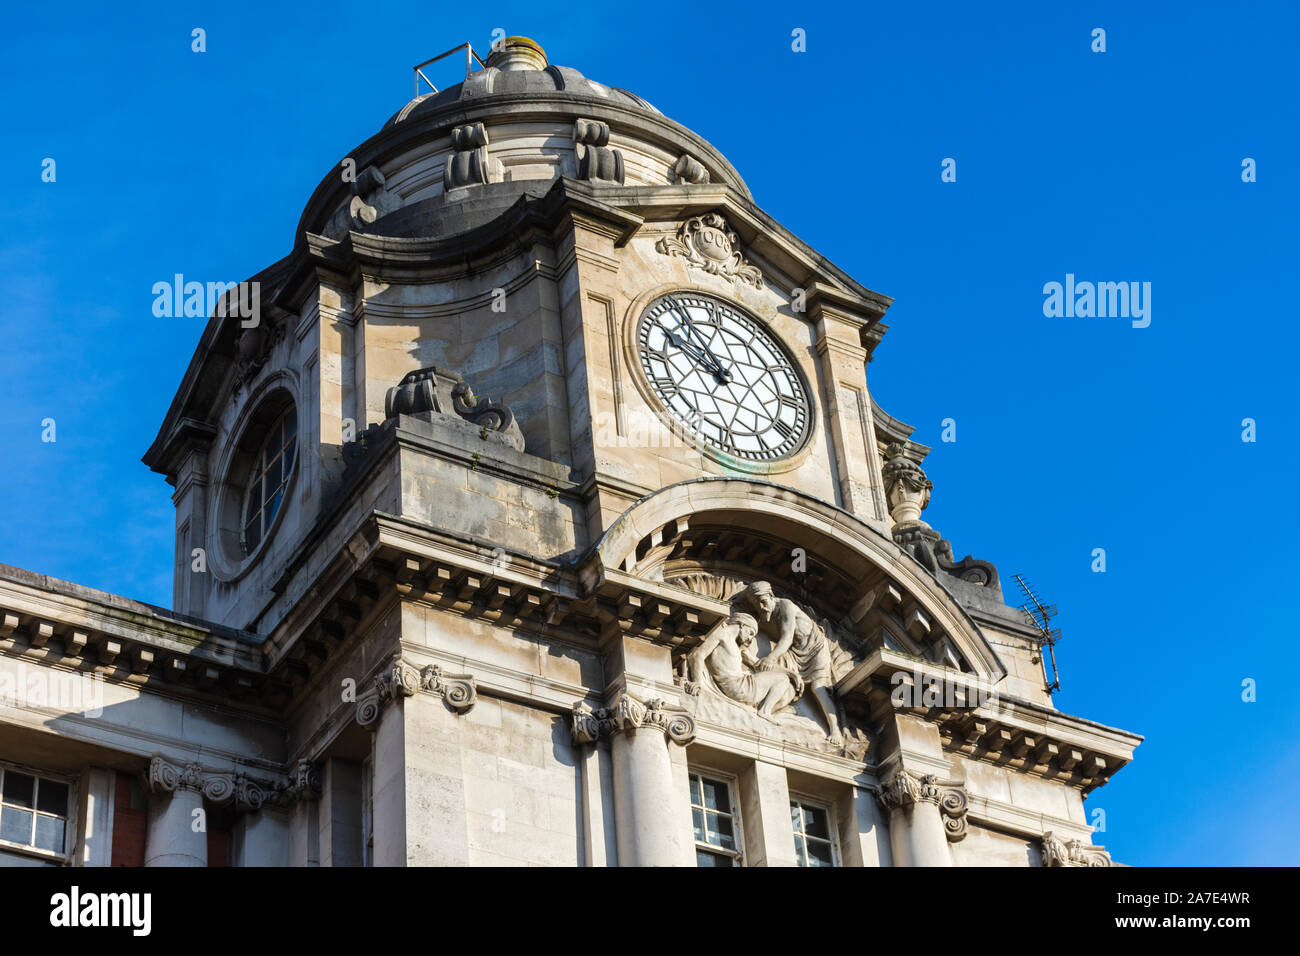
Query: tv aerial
{"points": [[1042, 615]]}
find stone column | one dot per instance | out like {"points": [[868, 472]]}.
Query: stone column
{"points": [[864, 832], [171, 838], [924, 816], [263, 838], [650, 828]]}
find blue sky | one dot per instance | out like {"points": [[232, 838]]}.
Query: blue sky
{"points": [[1072, 434]]}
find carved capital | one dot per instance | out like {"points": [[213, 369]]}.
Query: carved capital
{"points": [[397, 679], [905, 789], [216, 786], [400, 679], [628, 714], [1057, 852], [458, 690], [303, 783], [709, 243]]}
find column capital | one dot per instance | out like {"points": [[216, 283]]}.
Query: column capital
{"points": [[216, 786], [1057, 852], [904, 789], [627, 713], [399, 678]]}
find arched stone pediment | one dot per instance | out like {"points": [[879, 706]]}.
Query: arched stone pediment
{"points": [[712, 535]]}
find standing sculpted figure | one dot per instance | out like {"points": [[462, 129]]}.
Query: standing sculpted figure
{"points": [[727, 653], [798, 643]]}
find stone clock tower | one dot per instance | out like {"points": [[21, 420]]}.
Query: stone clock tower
{"points": [[545, 516]]}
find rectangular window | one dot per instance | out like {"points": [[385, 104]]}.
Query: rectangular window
{"points": [[813, 843], [34, 812], [717, 822]]}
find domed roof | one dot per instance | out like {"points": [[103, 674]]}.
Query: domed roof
{"points": [[519, 67]]}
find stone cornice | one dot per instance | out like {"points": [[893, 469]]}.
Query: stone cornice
{"points": [[398, 679], [1057, 852], [627, 714], [978, 723]]}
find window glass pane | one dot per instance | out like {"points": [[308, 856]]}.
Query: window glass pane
{"points": [[695, 791], [288, 458], [720, 831], [16, 825], [800, 858], [49, 833], [716, 796], [252, 534], [272, 481], [52, 797], [290, 427], [272, 507], [698, 816], [816, 822], [819, 854], [20, 788], [254, 499], [704, 858], [796, 817]]}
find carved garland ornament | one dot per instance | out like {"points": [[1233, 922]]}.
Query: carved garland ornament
{"points": [[589, 725], [400, 679], [906, 789], [708, 243]]}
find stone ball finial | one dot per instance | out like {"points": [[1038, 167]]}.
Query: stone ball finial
{"points": [[517, 53]]}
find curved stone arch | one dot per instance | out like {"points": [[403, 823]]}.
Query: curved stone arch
{"points": [[836, 538]]}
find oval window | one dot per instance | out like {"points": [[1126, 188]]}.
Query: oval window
{"points": [[268, 479]]}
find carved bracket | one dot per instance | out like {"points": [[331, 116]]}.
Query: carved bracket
{"points": [[596, 160], [435, 390], [708, 243], [470, 164], [688, 169]]}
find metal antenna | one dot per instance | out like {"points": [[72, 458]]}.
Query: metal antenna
{"points": [[1042, 615]]}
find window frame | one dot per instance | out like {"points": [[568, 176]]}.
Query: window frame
{"points": [[804, 801], [71, 834], [257, 472], [738, 826]]}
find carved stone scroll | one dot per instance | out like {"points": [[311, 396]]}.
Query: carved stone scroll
{"points": [[708, 243]]}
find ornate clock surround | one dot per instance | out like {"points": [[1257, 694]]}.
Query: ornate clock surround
{"points": [[738, 300]]}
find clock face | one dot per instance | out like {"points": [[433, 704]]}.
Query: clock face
{"points": [[724, 376]]}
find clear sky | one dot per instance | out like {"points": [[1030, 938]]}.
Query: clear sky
{"points": [[1071, 433]]}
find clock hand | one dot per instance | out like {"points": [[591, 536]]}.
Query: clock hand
{"points": [[719, 371]]}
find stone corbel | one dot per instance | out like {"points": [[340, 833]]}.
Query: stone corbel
{"points": [[370, 198], [590, 724], [689, 170], [470, 164], [905, 789], [304, 783], [399, 679], [1074, 853], [596, 160]]}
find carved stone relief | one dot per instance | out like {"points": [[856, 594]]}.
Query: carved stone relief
{"points": [[588, 724], [708, 243], [787, 692]]}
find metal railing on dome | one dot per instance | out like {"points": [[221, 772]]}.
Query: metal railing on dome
{"points": [[470, 58]]}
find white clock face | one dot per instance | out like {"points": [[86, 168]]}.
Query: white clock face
{"points": [[724, 376]]}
